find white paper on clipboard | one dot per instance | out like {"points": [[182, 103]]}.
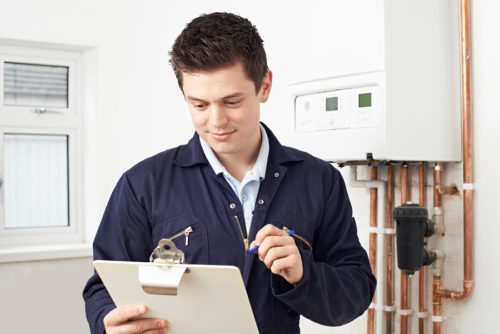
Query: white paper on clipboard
{"points": [[193, 298]]}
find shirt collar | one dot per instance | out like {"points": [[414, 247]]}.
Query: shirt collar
{"points": [[192, 154], [260, 164]]}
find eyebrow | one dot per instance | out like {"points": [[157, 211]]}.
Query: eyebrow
{"points": [[231, 96]]}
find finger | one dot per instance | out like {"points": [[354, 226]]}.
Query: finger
{"points": [[266, 231], [289, 267], [276, 253], [282, 264], [156, 331], [123, 314], [253, 244], [143, 325], [273, 242]]}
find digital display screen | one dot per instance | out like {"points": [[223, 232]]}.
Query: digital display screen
{"points": [[332, 103], [365, 100]]}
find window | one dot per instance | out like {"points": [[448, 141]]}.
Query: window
{"points": [[35, 85], [40, 146]]}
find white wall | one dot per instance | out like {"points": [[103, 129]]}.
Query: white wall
{"points": [[45, 296], [138, 110]]}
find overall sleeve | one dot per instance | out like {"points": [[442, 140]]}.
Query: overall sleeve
{"points": [[123, 235], [338, 284]]}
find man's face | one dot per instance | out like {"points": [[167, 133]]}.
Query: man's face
{"points": [[225, 109]]}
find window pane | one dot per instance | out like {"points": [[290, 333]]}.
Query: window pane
{"points": [[35, 85], [36, 180]]}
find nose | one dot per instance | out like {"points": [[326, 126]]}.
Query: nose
{"points": [[218, 116]]}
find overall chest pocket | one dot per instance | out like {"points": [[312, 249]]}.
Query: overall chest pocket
{"points": [[189, 235]]}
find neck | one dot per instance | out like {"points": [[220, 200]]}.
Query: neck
{"points": [[238, 165]]}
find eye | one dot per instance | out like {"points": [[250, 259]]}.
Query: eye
{"points": [[199, 106], [232, 102]]}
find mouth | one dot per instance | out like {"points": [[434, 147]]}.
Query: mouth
{"points": [[222, 135]]}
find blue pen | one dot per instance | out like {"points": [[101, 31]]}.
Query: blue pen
{"points": [[256, 248]]}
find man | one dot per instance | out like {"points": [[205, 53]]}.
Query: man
{"points": [[231, 184]]}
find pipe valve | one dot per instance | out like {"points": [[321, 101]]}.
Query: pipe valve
{"points": [[412, 227]]}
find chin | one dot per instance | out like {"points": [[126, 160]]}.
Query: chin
{"points": [[221, 150]]}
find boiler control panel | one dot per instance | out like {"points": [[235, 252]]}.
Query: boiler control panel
{"points": [[337, 109]]}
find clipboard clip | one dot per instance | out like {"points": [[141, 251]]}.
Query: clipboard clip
{"points": [[163, 280], [170, 255]]}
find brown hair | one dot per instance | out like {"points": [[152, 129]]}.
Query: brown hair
{"points": [[212, 41]]}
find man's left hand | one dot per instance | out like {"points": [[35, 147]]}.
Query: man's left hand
{"points": [[279, 253]]}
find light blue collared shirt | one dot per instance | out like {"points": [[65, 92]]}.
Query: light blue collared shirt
{"points": [[248, 188]]}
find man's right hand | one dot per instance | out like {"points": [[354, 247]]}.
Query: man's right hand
{"points": [[125, 319]]}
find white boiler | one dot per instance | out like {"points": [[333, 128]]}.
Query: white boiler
{"points": [[407, 111]]}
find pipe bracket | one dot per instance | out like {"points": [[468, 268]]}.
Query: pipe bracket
{"points": [[437, 318], [422, 315], [389, 308], [468, 186], [404, 312]]}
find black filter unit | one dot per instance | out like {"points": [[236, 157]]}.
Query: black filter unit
{"points": [[412, 226]]}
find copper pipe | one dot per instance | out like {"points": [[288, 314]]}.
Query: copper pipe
{"points": [[466, 88], [372, 245], [405, 184], [422, 188], [436, 303], [437, 185], [405, 288], [450, 190], [465, 53], [389, 296], [404, 302], [436, 280], [422, 185]]}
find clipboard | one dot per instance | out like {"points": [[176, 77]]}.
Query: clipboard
{"points": [[193, 298]]}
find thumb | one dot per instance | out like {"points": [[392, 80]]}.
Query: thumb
{"points": [[254, 243]]}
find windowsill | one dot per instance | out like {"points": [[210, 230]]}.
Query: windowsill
{"points": [[44, 252]]}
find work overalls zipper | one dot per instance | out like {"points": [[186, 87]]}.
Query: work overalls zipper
{"points": [[245, 240]]}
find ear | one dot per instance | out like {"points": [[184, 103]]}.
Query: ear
{"points": [[265, 87]]}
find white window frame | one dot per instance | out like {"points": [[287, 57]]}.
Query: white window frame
{"points": [[57, 121]]}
